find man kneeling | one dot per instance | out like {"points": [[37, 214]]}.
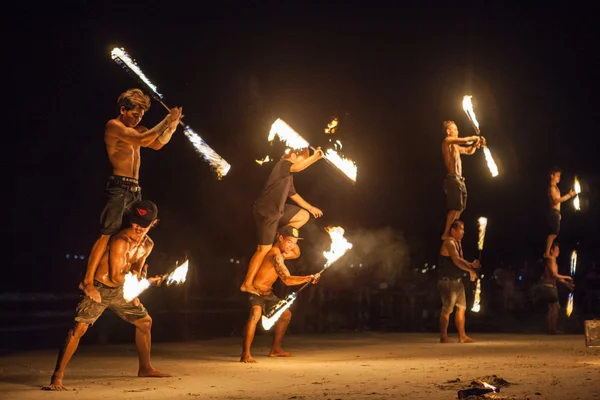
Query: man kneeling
{"points": [[273, 266], [127, 251]]}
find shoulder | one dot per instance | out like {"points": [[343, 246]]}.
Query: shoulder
{"points": [[149, 243], [114, 126], [119, 243]]}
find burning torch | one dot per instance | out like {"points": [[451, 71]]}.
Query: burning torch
{"points": [[577, 188], [291, 138], [216, 162], [339, 247], [573, 269], [482, 227], [133, 286], [468, 107]]}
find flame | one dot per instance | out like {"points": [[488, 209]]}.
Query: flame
{"points": [[488, 386], [339, 245], [570, 305], [573, 262], [346, 165], [264, 160], [216, 162], [120, 56], [332, 126], [577, 188], [338, 145], [468, 107], [179, 275], [482, 227], [287, 135], [133, 286], [477, 301], [269, 321], [490, 162]]}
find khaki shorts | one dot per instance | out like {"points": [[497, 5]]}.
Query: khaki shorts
{"points": [[88, 311], [453, 295]]}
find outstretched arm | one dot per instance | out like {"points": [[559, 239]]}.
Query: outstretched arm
{"points": [[115, 128], [285, 276]]}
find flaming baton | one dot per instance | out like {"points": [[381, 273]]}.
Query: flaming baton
{"points": [[339, 246], [573, 269], [216, 162], [468, 107], [293, 139], [482, 226], [577, 188], [133, 286]]}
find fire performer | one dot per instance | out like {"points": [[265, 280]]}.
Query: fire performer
{"points": [[450, 285], [549, 291], [127, 251], [124, 137], [554, 217], [454, 183], [272, 267], [271, 210]]}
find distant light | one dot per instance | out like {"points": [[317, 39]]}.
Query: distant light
{"points": [[351, 265], [433, 266], [360, 265], [81, 257], [520, 278], [231, 260], [68, 256], [482, 275], [75, 257], [426, 264], [424, 270], [237, 261]]}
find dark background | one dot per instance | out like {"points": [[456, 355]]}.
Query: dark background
{"points": [[391, 75]]}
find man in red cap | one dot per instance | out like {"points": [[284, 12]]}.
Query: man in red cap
{"points": [[126, 252]]}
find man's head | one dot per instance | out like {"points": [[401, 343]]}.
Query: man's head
{"points": [[450, 128], [554, 250], [144, 215], [457, 230], [295, 155], [555, 173], [287, 239], [133, 104]]}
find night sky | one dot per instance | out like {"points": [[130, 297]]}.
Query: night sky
{"points": [[391, 76]]}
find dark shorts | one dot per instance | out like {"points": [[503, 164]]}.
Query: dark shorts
{"points": [[553, 222], [452, 292], [547, 294], [266, 227], [88, 311], [122, 192], [266, 302], [456, 192]]}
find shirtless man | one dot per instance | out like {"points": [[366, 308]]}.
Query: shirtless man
{"points": [[549, 291], [454, 183], [124, 137], [554, 217], [271, 210], [127, 251], [450, 285], [273, 266]]}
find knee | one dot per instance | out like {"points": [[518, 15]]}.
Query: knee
{"points": [[263, 248], [303, 216], [255, 314], [79, 329], [286, 316], [144, 324]]}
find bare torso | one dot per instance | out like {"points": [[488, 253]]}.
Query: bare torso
{"points": [[452, 161], [553, 190], [549, 266], [136, 251], [124, 157], [266, 274]]}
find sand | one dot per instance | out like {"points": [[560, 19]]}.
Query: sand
{"points": [[333, 366]]}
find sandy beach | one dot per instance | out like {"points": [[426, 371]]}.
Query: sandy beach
{"points": [[337, 366]]}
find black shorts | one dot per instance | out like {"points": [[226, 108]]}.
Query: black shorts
{"points": [[266, 302], [547, 294], [456, 192], [88, 311], [266, 227], [122, 192], [452, 292], [553, 222]]}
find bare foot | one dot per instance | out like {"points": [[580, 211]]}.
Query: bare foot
{"points": [[247, 358], [249, 289], [465, 339], [446, 340], [55, 383], [280, 353], [153, 373]]}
